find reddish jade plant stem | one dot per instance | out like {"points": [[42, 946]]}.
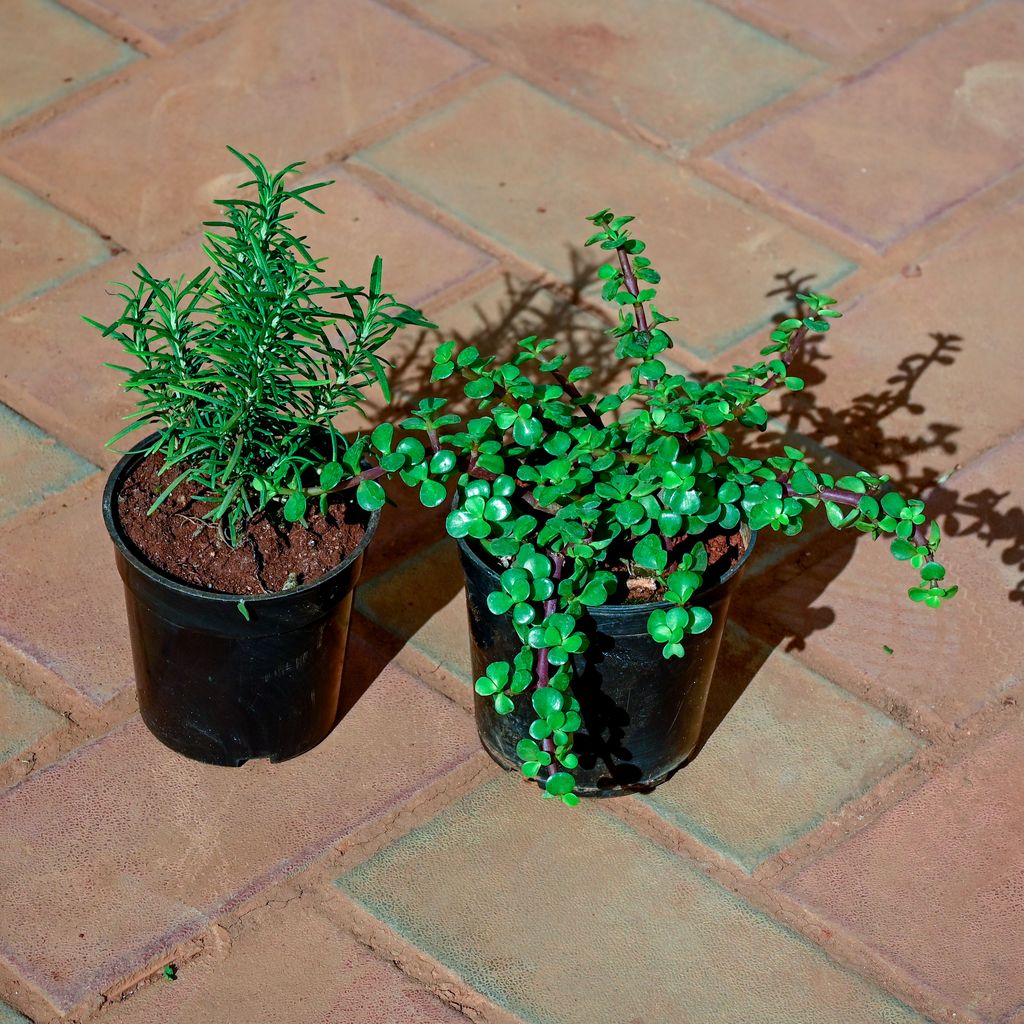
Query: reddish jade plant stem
{"points": [[543, 665], [570, 389], [633, 288], [836, 494], [852, 499], [354, 481], [435, 441], [629, 279]]}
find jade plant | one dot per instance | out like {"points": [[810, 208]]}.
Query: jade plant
{"points": [[558, 486], [243, 369]]}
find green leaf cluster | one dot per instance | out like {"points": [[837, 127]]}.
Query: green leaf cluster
{"points": [[243, 368]]}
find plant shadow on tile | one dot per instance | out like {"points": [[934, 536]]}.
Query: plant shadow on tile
{"points": [[859, 435], [525, 308], [858, 431]]}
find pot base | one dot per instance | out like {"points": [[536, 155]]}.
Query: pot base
{"points": [[215, 751]]}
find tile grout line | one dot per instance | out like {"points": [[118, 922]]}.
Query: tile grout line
{"points": [[761, 18], [438, 97], [731, 181], [150, 45], [835, 942]]}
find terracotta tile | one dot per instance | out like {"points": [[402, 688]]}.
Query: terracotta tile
{"points": [[538, 168], [75, 52], [52, 362], [420, 258], [270, 975], [432, 619], [267, 84], [791, 750], [62, 604], [878, 168], [952, 660], [888, 392], [192, 839], [851, 28], [40, 247], [168, 23], [32, 465], [625, 58], [502, 885], [23, 720], [934, 884]]}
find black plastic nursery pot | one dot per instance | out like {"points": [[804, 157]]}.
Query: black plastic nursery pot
{"points": [[218, 688], [641, 713]]}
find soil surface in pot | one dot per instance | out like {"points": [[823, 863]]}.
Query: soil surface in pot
{"points": [[724, 551], [271, 554]]}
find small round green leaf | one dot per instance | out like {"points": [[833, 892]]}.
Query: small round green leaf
{"points": [[499, 602], [503, 704], [486, 686], [331, 475], [432, 493], [527, 432], [480, 388], [560, 783], [382, 436], [442, 462], [902, 549], [729, 491], [701, 620], [629, 512], [412, 448], [547, 700], [527, 750], [370, 495], [295, 507], [892, 503]]}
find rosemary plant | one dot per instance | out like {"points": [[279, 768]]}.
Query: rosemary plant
{"points": [[243, 369], [555, 484]]}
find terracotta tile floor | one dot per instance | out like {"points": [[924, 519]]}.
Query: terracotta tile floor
{"points": [[847, 847]]}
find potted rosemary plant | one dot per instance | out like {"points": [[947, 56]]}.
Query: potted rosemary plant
{"points": [[240, 525], [602, 535]]}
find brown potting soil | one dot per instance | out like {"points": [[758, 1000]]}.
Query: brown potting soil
{"points": [[724, 551], [271, 554]]}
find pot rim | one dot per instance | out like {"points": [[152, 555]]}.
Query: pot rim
{"points": [[125, 548], [617, 609]]}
